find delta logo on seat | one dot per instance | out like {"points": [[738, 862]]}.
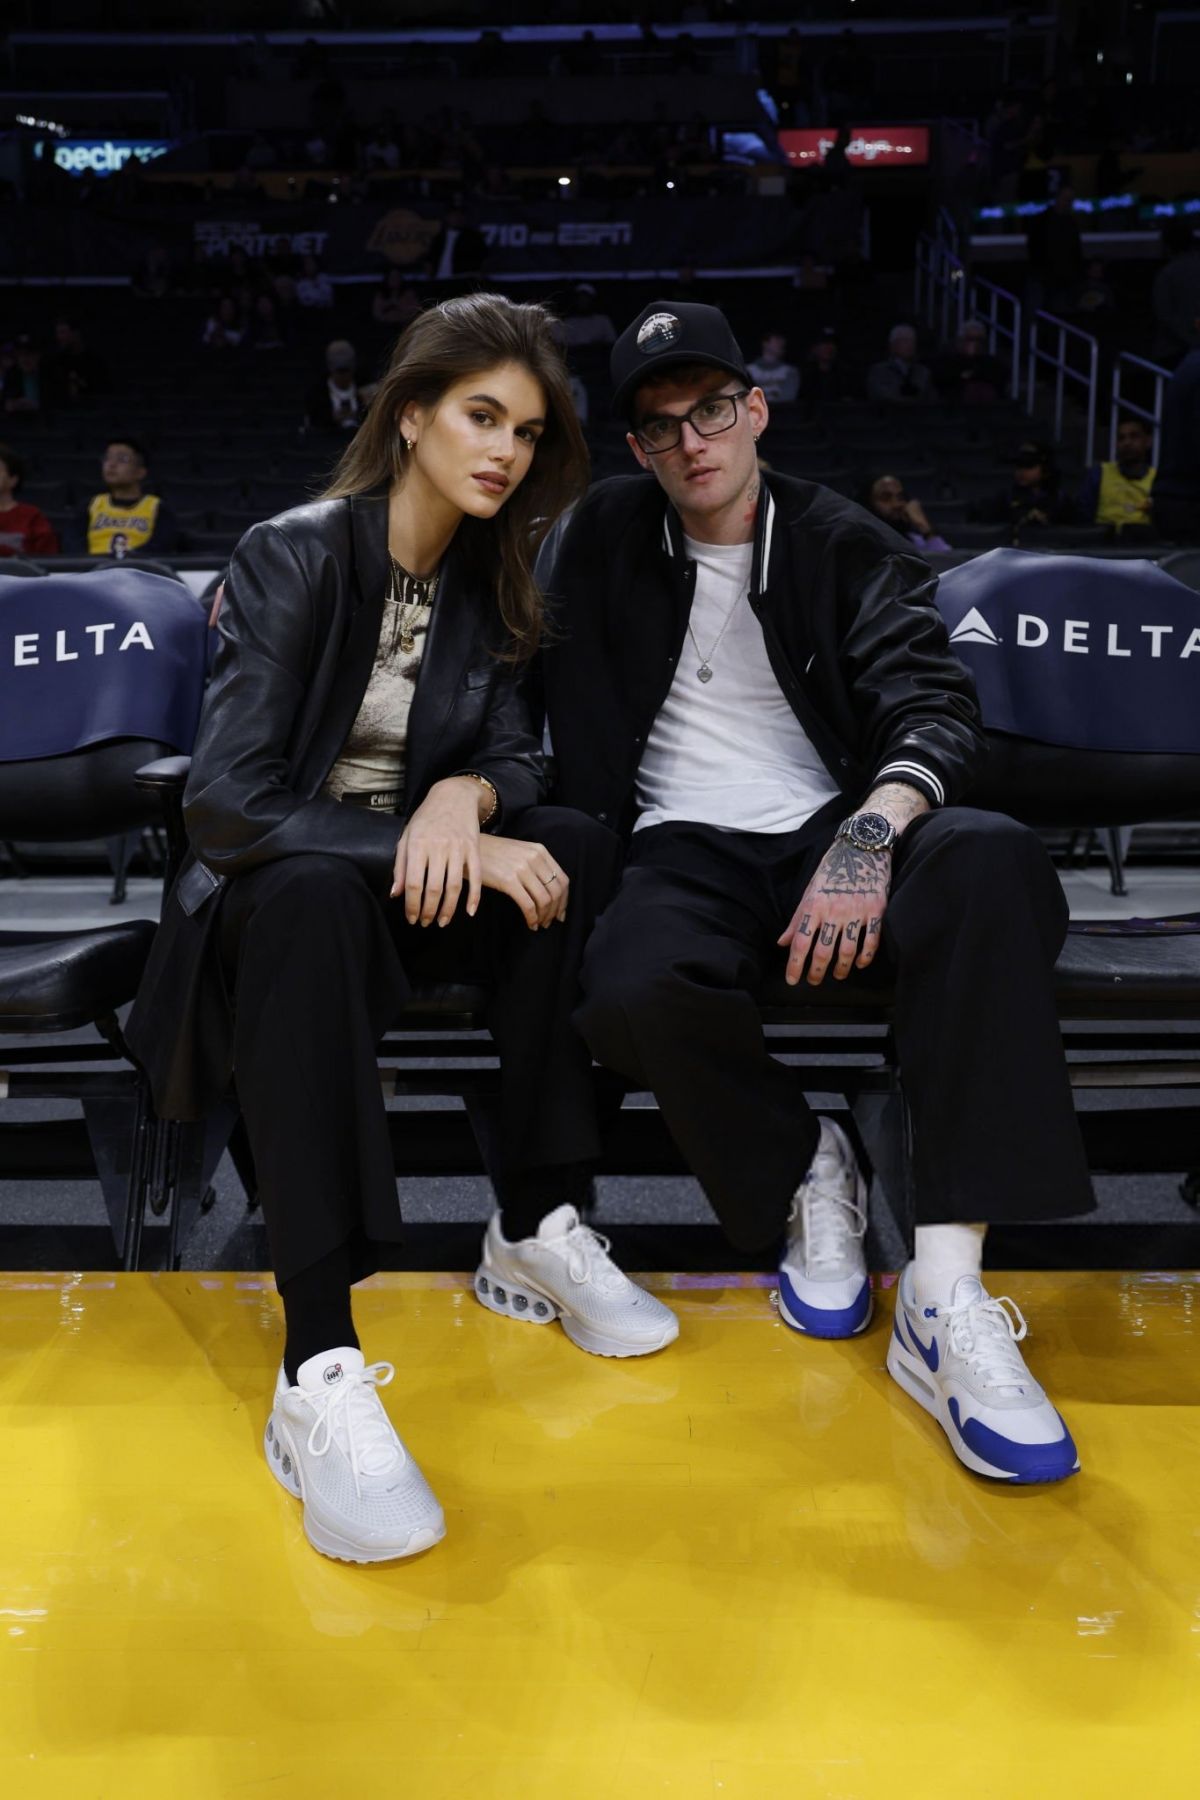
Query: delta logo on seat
{"points": [[27, 645], [1033, 633]]}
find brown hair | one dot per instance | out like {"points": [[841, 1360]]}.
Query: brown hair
{"points": [[460, 337]]}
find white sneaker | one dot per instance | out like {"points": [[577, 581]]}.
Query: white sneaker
{"points": [[330, 1442], [566, 1273], [824, 1288], [961, 1363]]}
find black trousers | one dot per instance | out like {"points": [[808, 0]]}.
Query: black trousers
{"points": [[974, 923], [319, 967]]}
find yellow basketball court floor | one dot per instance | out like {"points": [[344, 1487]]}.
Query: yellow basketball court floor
{"points": [[748, 1567]]}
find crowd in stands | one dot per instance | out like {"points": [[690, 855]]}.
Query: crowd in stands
{"points": [[962, 458]]}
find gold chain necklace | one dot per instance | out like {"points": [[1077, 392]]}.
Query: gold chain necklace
{"points": [[411, 595]]}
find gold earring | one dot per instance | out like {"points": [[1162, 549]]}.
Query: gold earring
{"points": [[410, 443]]}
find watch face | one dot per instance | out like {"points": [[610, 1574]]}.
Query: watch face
{"points": [[870, 831]]}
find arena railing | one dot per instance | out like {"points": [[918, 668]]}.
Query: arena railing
{"points": [[1121, 403], [1058, 361], [941, 281]]}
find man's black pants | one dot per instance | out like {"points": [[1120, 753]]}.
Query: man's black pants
{"points": [[319, 966], [974, 923]]}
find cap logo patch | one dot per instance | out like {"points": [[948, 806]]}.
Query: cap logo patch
{"points": [[658, 332]]}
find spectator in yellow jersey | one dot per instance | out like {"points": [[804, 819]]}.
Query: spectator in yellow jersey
{"points": [[1118, 493], [125, 520]]}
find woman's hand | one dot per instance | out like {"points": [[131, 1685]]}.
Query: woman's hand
{"points": [[529, 875], [439, 850]]}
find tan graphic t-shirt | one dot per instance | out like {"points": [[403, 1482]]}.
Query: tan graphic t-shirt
{"points": [[372, 758]]}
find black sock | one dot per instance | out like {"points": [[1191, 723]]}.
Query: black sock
{"points": [[528, 1195], [316, 1309]]}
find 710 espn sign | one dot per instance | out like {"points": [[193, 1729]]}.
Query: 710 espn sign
{"points": [[571, 234]]}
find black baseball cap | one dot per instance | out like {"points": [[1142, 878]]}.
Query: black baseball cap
{"points": [[672, 331]]}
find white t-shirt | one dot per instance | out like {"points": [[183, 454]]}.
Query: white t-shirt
{"points": [[728, 752]]}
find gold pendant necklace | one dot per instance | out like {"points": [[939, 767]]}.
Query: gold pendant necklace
{"points": [[422, 589]]}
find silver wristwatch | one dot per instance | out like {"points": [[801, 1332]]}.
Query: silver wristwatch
{"points": [[868, 831]]}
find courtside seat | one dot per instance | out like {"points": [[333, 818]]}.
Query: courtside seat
{"points": [[445, 1006], [1113, 977], [1099, 975], [59, 782], [62, 982]]}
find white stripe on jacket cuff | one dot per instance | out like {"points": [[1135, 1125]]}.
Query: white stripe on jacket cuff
{"points": [[917, 775]]}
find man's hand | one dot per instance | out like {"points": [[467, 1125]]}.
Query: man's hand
{"points": [[918, 518], [841, 914], [438, 850], [529, 875], [840, 918]]}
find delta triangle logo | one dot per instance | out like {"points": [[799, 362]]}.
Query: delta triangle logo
{"points": [[973, 628]]}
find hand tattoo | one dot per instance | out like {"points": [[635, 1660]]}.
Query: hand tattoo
{"points": [[847, 870], [850, 932], [827, 933], [873, 927], [806, 925]]}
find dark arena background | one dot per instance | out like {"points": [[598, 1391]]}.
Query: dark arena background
{"points": [[957, 253]]}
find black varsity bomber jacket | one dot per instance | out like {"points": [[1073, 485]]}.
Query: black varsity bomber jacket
{"points": [[851, 629]]}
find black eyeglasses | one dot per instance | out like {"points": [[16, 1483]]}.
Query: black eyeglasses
{"points": [[708, 417]]}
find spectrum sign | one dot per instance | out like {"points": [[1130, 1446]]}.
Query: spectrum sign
{"points": [[105, 156], [870, 146]]}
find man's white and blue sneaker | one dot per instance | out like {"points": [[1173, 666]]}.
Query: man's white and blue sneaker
{"points": [[330, 1443], [961, 1363], [566, 1273], [824, 1288]]}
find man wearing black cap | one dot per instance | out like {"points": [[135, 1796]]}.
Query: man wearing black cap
{"points": [[749, 680]]}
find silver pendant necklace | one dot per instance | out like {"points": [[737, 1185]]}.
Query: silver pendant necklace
{"points": [[704, 672]]}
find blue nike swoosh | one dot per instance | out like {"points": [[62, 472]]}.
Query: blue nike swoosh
{"points": [[928, 1355]]}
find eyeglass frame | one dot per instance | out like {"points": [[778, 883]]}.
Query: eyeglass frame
{"points": [[682, 419]]}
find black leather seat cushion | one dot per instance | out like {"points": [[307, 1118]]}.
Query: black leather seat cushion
{"points": [[57, 983], [1101, 977], [444, 1006]]}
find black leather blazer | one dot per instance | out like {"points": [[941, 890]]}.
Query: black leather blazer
{"points": [[303, 607]]}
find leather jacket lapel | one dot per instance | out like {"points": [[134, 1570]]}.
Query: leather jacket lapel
{"points": [[453, 637], [367, 592]]}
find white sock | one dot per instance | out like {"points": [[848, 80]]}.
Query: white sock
{"points": [[943, 1253]]}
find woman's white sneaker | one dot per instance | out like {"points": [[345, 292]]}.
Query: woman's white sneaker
{"points": [[331, 1444], [962, 1364], [566, 1273], [824, 1288]]}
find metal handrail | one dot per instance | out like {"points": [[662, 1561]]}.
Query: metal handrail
{"points": [[938, 273], [988, 314], [937, 270], [947, 229], [1057, 360], [1119, 404]]}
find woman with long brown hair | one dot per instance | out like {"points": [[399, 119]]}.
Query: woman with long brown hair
{"points": [[364, 807]]}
